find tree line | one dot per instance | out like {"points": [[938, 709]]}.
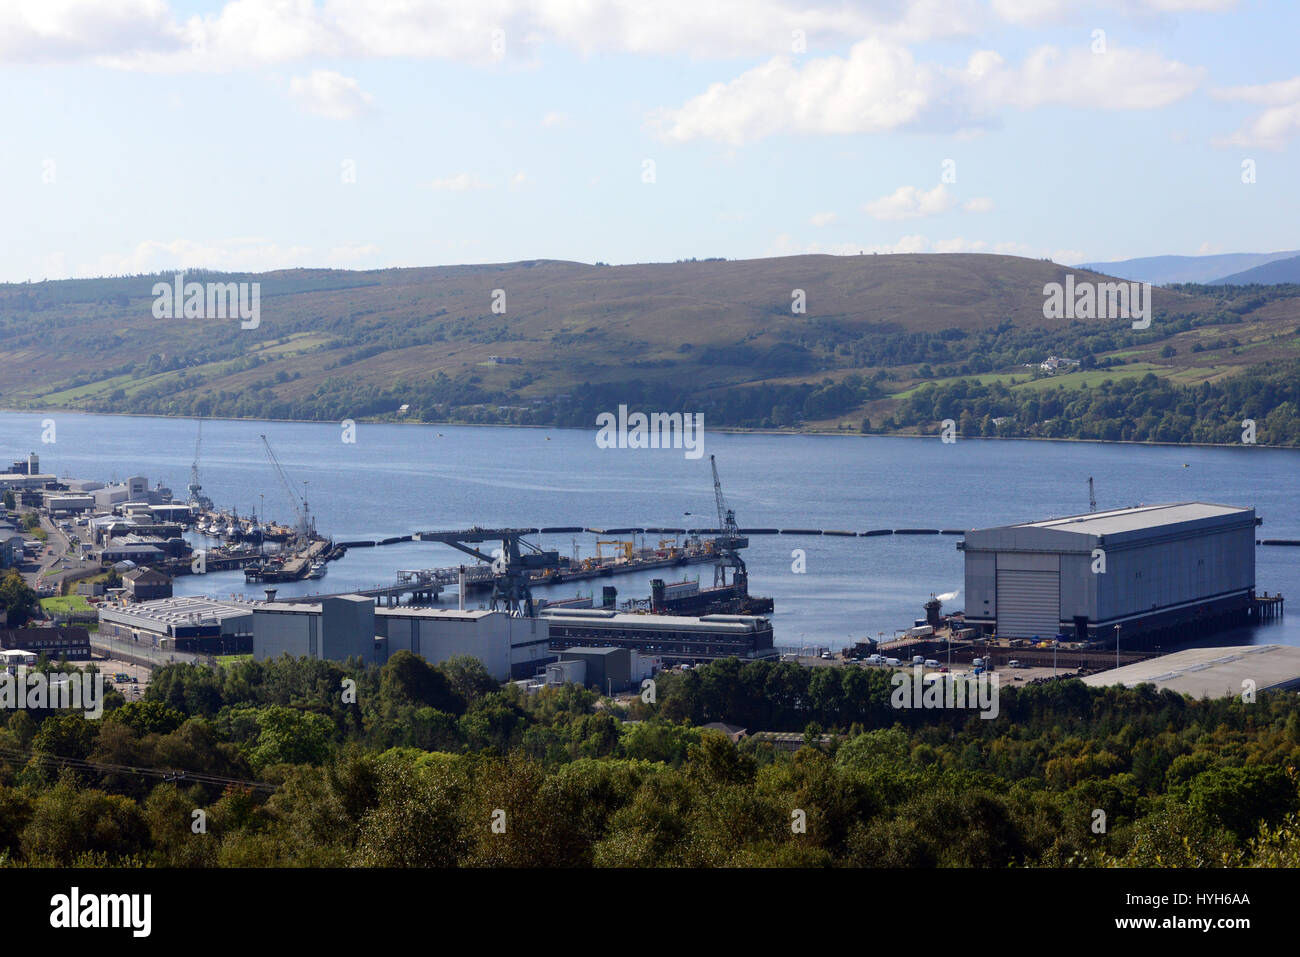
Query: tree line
{"points": [[303, 762]]}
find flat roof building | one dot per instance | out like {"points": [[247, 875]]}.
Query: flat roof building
{"points": [[351, 626], [509, 647], [1211, 672], [676, 639], [218, 623], [608, 670], [1170, 570], [334, 629]]}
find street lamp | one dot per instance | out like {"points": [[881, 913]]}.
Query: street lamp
{"points": [[1117, 646]]}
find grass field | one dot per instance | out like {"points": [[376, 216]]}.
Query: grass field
{"points": [[67, 605]]}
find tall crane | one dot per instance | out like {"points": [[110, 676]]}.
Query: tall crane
{"points": [[195, 489], [306, 524], [729, 540]]}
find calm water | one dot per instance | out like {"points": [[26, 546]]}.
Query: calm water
{"points": [[401, 479]]}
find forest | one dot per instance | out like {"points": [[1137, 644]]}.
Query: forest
{"points": [[312, 763]]}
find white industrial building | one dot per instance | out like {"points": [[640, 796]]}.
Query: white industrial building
{"points": [[334, 629], [509, 647], [1177, 569], [351, 626], [134, 489], [205, 622]]}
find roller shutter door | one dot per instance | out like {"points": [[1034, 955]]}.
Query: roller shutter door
{"points": [[1029, 603]]}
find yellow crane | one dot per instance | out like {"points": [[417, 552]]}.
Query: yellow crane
{"points": [[628, 548]]}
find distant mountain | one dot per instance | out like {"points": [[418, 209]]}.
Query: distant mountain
{"points": [[1162, 270], [764, 343], [1279, 270]]}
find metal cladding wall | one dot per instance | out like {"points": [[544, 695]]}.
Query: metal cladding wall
{"points": [[1163, 571], [336, 629], [1152, 564], [508, 647], [608, 669]]}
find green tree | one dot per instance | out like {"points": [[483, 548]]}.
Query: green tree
{"points": [[17, 599]]}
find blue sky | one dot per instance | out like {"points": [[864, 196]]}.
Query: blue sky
{"points": [[145, 135]]}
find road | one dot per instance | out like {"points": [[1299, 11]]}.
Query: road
{"points": [[57, 547]]}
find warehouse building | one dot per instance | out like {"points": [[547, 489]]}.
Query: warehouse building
{"points": [[1211, 672], [333, 629], [608, 670], [189, 623], [1157, 571], [509, 647], [676, 639], [350, 626]]}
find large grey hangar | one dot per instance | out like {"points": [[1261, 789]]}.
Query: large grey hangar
{"points": [[1157, 571]]}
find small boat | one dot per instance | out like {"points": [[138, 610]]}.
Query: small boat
{"points": [[317, 570]]}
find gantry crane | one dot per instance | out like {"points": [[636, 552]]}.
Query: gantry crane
{"points": [[512, 566], [197, 498], [729, 540], [306, 527]]}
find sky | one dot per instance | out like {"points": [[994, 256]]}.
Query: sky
{"points": [[152, 135]]}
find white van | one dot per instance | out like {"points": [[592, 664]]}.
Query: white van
{"points": [[931, 663], [918, 659], [892, 662]]}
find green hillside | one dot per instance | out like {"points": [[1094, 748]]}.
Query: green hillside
{"points": [[718, 336]]}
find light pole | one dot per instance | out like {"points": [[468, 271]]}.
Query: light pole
{"points": [[1117, 646], [1055, 647]]}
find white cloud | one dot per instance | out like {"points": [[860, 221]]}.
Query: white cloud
{"points": [[822, 219], [914, 244], [521, 180], [879, 87], [1269, 94], [1119, 79], [1271, 129], [1045, 11], [150, 35], [555, 120], [48, 30], [1274, 127], [909, 202], [241, 254], [458, 183], [330, 94], [1030, 11]]}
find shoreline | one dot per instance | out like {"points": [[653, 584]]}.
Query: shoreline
{"points": [[726, 430]]}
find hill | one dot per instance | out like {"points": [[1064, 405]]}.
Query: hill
{"points": [[1161, 270], [1278, 271], [575, 339]]}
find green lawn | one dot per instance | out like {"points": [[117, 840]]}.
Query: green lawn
{"points": [[1095, 377], [232, 659], [67, 604]]}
